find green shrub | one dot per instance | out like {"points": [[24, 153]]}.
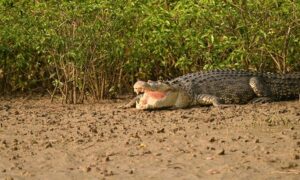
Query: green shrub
{"points": [[100, 47]]}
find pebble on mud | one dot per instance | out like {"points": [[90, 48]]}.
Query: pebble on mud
{"points": [[6, 107], [213, 171], [213, 139], [210, 148], [221, 152], [107, 159], [289, 165], [48, 145], [86, 169], [9, 178], [161, 130], [108, 173], [209, 158]]}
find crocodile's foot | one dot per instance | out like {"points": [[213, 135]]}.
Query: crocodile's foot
{"points": [[224, 106], [261, 100], [132, 103], [206, 99], [127, 106]]}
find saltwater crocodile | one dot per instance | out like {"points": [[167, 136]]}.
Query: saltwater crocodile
{"points": [[217, 87]]}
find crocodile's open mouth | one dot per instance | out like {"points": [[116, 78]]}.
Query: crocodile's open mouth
{"points": [[149, 96], [142, 88]]}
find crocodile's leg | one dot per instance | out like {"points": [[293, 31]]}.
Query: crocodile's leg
{"points": [[145, 106], [206, 99], [132, 103], [261, 90]]}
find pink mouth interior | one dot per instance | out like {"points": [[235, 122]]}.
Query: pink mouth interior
{"points": [[153, 95], [156, 94]]}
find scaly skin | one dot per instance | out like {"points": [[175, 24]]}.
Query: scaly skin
{"points": [[218, 87]]}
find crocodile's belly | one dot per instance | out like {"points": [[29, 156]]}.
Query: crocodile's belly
{"points": [[231, 91]]}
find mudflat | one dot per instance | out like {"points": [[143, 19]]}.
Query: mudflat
{"points": [[43, 140]]}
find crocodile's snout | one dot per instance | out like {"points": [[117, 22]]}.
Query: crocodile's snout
{"points": [[140, 86], [139, 90]]}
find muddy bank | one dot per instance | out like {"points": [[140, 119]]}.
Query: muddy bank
{"points": [[43, 140]]}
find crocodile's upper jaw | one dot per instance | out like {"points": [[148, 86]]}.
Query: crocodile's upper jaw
{"points": [[158, 95]]}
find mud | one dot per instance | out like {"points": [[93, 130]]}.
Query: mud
{"points": [[43, 140]]}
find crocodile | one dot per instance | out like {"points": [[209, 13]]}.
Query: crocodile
{"points": [[217, 88]]}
